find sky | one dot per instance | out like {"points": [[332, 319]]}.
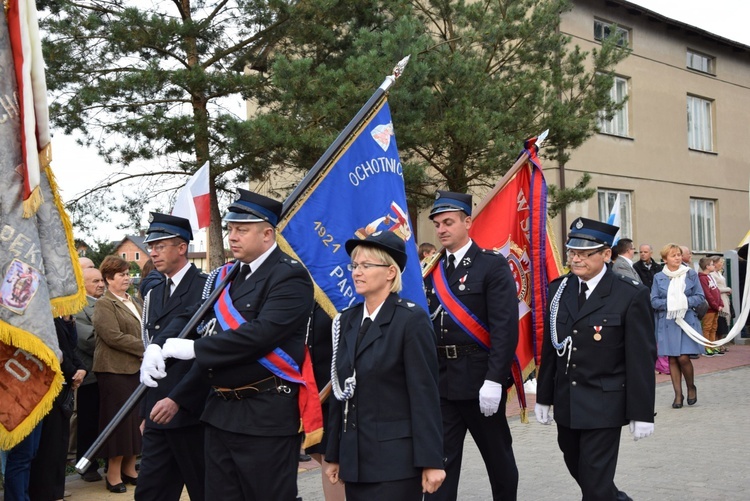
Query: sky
{"points": [[77, 169]]}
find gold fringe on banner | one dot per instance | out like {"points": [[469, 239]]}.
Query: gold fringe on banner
{"points": [[66, 305], [18, 338]]}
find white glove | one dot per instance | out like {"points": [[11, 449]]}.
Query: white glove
{"points": [[152, 366], [641, 429], [542, 414], [490, 395], [179, 348]]}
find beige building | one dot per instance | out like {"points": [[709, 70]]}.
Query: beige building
{"points": [[675, 153]]}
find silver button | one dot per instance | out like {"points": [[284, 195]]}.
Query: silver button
{"points": [[575, 331], [574, 366], [574, 383], [156, 327]]}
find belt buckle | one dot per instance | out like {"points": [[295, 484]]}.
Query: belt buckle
{"points": [[451, 351], [283, 389]]}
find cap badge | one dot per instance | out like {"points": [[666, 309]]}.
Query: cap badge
{"points": [[579, 225], [437, 195]]}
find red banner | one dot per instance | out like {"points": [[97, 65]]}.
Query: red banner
{"points": [[514, 221]]}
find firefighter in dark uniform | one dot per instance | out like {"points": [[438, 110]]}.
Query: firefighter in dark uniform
{"points": [[172, 436], [474, 367], [252, 413], [597, 367]]}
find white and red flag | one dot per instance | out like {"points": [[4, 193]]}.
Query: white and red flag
{"points": [[193, 201]]}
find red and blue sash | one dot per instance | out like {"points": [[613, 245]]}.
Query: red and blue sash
{"points": [[279, 363], [460, 314]]}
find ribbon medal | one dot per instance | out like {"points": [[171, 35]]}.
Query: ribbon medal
{"points": [[597, 335], [461, 281]]}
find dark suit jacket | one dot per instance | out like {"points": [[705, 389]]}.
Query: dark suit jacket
{"points": [[394, 426], [86, 339], [489, 291], [276, 300], [647, 275], [608, 382], [186, 294]]}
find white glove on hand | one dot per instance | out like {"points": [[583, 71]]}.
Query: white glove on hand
{"points": [[641, 429], [179, 348], [542, 414], [152, 366], [490, 395]]}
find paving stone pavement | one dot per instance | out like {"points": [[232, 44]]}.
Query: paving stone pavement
{"points": [[699, 452]]}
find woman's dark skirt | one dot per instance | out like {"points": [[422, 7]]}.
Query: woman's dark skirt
{"points": [[114, 391]]}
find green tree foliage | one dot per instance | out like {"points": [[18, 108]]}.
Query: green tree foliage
{"points": [[145, 80], [99, 251], [483, 77]]}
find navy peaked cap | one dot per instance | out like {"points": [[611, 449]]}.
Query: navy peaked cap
{"points": [[449, 201], [165, 226], [590, 234], [253, 208]]}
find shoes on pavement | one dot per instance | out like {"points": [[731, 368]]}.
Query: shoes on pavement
{"points": [[695, 357], [91, 475], [710, 353], [304, 458], [719, 353], [127, 479], [117, 488]]}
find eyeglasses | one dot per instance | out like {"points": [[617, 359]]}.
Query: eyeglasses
{"points": [[582, 255], [159, 247], [366, 266]]}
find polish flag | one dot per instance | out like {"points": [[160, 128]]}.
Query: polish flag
{"points": [[193, 201]]}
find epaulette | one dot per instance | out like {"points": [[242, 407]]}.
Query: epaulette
{"points": [[628, 280], [290, 261], [491, 251], [406, 303]]}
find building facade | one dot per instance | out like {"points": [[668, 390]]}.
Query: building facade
{"points": [[674, 154]]}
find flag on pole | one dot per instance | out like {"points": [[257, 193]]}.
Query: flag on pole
{"points": [[39, 270], [513, 220], [193, 200], [361, 192], [615, 218]]}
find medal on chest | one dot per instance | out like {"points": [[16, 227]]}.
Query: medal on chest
{"points": [[461, 284], [597, 333]]}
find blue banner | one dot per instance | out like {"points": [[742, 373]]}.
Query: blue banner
{"points": [[361, 193]]}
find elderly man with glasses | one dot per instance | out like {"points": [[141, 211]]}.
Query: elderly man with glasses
{"points": [[597, 361]]}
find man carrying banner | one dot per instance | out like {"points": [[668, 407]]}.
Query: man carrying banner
{"points": [[473, 302], [172, 436], [252, 353], [597, 361]]}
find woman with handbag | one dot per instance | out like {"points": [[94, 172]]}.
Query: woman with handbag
{"points": [[674, 294]]}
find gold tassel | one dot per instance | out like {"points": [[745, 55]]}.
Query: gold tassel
{"points": [[524, 416], [312, 438], [32, 204]]}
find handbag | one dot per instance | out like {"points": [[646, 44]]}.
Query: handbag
{"points": [[66, 401], [701, 309]]}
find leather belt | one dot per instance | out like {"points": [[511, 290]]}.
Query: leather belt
{"points": [[456, 350], [253, 389]]}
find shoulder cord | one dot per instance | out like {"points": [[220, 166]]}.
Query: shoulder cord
{"points": [[206, 327], [351, 382], [144, 330], [567, 343]]}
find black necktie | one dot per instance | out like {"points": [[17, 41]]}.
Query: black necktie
{"points": [[451, 265], [363, 328], [582, 295], [242, 275], [167, 290]]}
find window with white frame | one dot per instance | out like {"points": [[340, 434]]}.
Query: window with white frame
{"points": [[700, 129], [616, 203], [137, 256], [124, 256], [700, 62], [618, 125], [703, 224], [606, 29]]}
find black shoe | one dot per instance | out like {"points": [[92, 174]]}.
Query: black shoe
{"points": [[304, 458], [676, 405], [127, 479], [692, 401], [695, 357], [91, 475], [117, 488]]}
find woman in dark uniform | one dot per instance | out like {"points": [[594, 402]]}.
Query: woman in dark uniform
{"points": [[385, 427]]}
